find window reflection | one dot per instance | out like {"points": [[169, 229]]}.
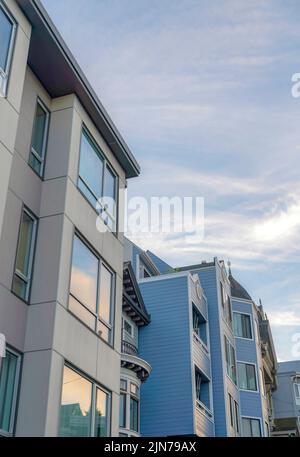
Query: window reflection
{"points": [[101, 426], [84, 275], [75, 405]]}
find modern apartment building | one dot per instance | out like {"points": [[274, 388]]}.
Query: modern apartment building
{"points": [[213, 360], [286, 400], [61, 268]]}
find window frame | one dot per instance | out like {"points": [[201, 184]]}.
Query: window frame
{"points": [[231, 368], [41, 160], [135, 399], [95, 385], [250, 418], [195, 309], [27, 280], [106, 164], [251, 326], [4, 433], [98, 320], [5, 73], [125, 321], [296, 385], [255, 376]]}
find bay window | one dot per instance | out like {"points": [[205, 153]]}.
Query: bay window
{"points": [[129, 413], [7, 38], [25, 254], [97, 181], [92, 290], [85, 407], [247, 376]]}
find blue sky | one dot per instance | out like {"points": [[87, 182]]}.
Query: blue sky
{"points": [[201, 91]]}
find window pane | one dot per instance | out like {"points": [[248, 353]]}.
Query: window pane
{"points": [[123, 384], [90, 170], [122, 419], [110, 191], [7, 389], [246, 325], [6, 28], [105, 294], [84, 275], [237, 324], [35, 163], [75, 419], [246, 427], [104, 332], [242, 376], [255, 427], [101, 426], [24, 246], [251, 377], [19, 287], [134, 414], [39, 130]]}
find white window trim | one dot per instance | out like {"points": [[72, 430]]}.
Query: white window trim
{"points": [[255, 369], [39, 158], [15, 394], [251, 325], [5, 73]]}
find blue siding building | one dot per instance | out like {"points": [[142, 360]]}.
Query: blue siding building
{"points": [[209, 376]]}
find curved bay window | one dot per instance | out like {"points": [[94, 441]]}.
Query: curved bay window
{"points": [[129, 408]]}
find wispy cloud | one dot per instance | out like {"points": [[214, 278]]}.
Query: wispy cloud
{"points": [[201, 92]]}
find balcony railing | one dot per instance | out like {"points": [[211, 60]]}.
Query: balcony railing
{"points": [[128, 348]]}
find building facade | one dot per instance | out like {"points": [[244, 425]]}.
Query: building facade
{"points": [[203, 317], [286, 400], [256, 378], [61, 269]]}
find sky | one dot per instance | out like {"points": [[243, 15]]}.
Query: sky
{"points": [[201, 92]]}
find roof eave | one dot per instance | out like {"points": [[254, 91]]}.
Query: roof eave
{"points": [[46, 40]]}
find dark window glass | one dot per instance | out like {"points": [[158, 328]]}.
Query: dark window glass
{"points": [[8, 387], [25, 254], [39, 139], [122, 419], [134, 414]]}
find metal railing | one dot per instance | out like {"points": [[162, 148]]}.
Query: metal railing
{"points": [[128, 348]]}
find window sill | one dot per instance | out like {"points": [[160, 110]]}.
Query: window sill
{"points": [[204, 410]]}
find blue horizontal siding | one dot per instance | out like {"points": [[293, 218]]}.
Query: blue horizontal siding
{"points": [[167, 402]]}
